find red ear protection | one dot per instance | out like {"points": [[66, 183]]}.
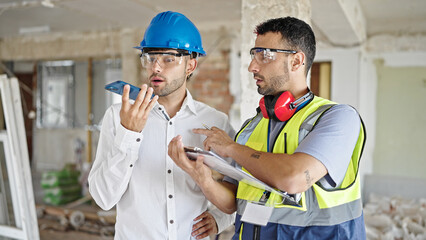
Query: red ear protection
{"points": [[277, 107], [282, 106]]}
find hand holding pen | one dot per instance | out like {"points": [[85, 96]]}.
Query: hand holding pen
{"points": [[217, 139]]}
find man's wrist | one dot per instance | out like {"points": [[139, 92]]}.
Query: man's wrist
{"points": [[205, 183], [230, 149]]}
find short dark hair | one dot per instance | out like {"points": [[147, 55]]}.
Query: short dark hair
{"points": [[295, 32]]}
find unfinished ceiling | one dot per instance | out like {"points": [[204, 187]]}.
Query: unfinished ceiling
{"points": [[343, 22], [83, 15]]}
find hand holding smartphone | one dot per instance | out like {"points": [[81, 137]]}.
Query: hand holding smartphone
{"points": [[133, 116]]}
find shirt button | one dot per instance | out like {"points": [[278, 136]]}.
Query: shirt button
{"points": [[159, 108], [131, 165], [171, 221], [138, 139], [170, 196], [170, 123], [169, 171]]}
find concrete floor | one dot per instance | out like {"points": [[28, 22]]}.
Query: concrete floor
{"points": [[50, 229], [50, 234], [70, 235]]}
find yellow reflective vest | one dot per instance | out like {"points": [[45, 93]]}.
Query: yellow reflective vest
{"points": [[318, 206]]}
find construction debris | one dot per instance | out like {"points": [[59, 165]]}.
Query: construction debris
{"points": [[395, 218], [61, 187], [64, 219]]}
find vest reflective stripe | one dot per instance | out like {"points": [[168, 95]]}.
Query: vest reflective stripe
{"points": [[312, 217], [241, 231], [319, 206], [350, 183]]}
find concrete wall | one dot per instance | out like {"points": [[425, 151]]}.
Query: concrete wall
{"points": [[368, 78], [401, 118]]}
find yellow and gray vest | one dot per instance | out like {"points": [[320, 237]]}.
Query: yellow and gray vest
{"points": [[318, 206]]}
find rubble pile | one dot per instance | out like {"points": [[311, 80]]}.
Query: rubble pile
{"points": [[395, 218]]}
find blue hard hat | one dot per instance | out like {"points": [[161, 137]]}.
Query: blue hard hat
{"points": [[172, 30]]}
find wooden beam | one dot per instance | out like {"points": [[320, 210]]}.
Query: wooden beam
{"points": [[89, 109]]}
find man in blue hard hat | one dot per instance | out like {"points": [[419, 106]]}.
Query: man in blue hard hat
{"points": [[155, 199]]}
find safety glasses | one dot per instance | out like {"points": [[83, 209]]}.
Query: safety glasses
{"points": [[164, 59], [267, 55]]}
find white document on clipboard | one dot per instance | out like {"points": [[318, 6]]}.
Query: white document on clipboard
{"points": [[220, 165]]}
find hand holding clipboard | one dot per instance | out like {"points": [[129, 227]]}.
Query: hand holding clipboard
{"points": [[220, 165]]}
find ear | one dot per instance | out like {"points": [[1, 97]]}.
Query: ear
{"points": [[190, 67], [298, 61]]}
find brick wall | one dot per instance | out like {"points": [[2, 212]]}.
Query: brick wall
{"points": [[210, 84]]}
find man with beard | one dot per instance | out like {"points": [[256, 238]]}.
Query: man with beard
{"points": [[155, 199], [297, 143]]}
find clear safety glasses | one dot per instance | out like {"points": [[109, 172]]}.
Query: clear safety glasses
{"points": [[164, 59], [267, 55]]}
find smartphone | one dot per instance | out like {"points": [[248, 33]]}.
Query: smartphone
{"points": [[117, 87]]}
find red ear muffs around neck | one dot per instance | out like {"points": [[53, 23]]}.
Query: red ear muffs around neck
{"points": [[277, 107], [283, 108], [263, 107]]}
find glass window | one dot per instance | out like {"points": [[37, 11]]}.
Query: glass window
{"points": [[56, 95]]}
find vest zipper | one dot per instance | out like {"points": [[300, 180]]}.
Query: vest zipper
{"points": [[285, 143]]}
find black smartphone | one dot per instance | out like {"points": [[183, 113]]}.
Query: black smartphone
{"points": [[117, 87]]}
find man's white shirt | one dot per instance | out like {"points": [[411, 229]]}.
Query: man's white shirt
{"points": [[155, 199]]}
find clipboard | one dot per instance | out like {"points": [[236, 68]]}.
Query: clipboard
{"points": [[220, 165]]}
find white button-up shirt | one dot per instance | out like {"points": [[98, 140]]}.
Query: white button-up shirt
{"points": [[155, 199]]}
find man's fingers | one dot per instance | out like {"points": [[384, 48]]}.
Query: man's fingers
{"points": [[145, 110], [204, 227], [146, 100], [177, 153], [172, 146], [201, 216], [201, 131], [206, 144], [141, 96], [152, 103], [125, 105]]}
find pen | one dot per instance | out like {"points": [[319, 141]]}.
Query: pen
{"points": [[206, 127]]}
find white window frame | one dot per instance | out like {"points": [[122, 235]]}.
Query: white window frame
{"points": [[18, 165]]}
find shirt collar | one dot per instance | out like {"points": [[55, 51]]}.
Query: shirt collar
{"points": [[189, 102]]}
